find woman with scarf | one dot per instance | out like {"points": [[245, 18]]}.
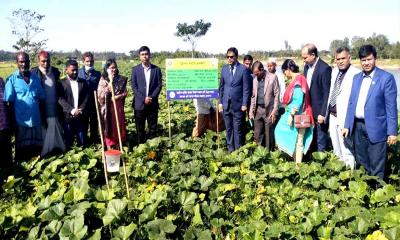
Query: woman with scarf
{"points": [[291, 140], [110, 76]]}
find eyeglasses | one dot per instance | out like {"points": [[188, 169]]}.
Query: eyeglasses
{"points": [[230, 56]]}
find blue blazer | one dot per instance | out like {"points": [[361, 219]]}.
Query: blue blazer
{"points": [[319, 87], [380, 109], [238, 89], [139, 86], [92, 79]]}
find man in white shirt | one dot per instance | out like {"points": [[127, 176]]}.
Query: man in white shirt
{"points": [[146, 86], [73, 96], [318, 74], [341, 82]]}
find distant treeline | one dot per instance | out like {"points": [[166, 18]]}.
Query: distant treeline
{"points": [[381, 42]]}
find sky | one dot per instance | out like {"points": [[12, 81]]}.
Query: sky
{"points": [[123, 25]]}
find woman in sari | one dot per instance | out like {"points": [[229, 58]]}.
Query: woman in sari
{"points": [[291, 140], [110, 76]]}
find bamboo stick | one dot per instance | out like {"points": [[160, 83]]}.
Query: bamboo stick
{"points": [[119, 135], [101, 138], [169, 119]]}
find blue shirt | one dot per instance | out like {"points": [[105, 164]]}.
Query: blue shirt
{"points": [[25, 98]]}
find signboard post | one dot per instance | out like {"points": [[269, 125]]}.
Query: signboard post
{"points": [[189, 78]]}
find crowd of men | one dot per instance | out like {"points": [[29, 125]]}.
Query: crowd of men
{"points": [[354, 111], [48, 115]]}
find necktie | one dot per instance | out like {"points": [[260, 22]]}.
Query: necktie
{"points": [[232, 67], [336, 87]]}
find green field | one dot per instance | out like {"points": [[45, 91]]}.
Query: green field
{"points": [[187, 188]]}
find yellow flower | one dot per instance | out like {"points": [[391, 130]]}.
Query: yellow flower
{"points": [[377, 235], [151, 155]]}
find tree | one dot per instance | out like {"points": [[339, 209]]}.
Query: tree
{"points": [[356, 43], [25, 25], [287, 46], [380, 42], [192, 33], [335, 44]]}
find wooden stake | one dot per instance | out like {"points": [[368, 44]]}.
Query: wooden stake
{"points": [[119, 135], [169, 119], [217, 112], [103, 157]]}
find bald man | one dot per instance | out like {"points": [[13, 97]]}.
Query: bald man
{"points": [[318, 74], [23, 92]]}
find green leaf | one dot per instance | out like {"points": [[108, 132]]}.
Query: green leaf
{"points": [[319, 156], [257, 214], [391, 219], [227, 187], [73, 229], [33, 233], [79, 209], [28, 211], [392, 233], [77, 191], [54, 226], [324, 232], [363, 224], [96, 235], [384, 194], [358, 189], [45, 203], [317, 216], [158, 228], [148, 213], [187, 200], [114, 209], [209, 210], [123, 232], [104, 195], [197, 216], [204, 182], [332, 183], [53, 213], [345, 213], [204, 235]]}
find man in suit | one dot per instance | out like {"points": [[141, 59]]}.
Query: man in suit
{"points": [[264, 105], [234, 94], [146, 85], [248, 61], [318, 75], [92, 77], [341, 82], [371, 118], [73, 96]]}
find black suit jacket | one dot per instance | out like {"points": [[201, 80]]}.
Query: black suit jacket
{"points": [[53, 70], [66, 99], [139, 86], [319, 89]]}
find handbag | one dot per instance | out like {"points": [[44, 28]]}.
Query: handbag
{"points": [[302, 121]]}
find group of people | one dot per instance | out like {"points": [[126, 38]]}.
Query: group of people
{"points": [[48, 115], [352, 110]]}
